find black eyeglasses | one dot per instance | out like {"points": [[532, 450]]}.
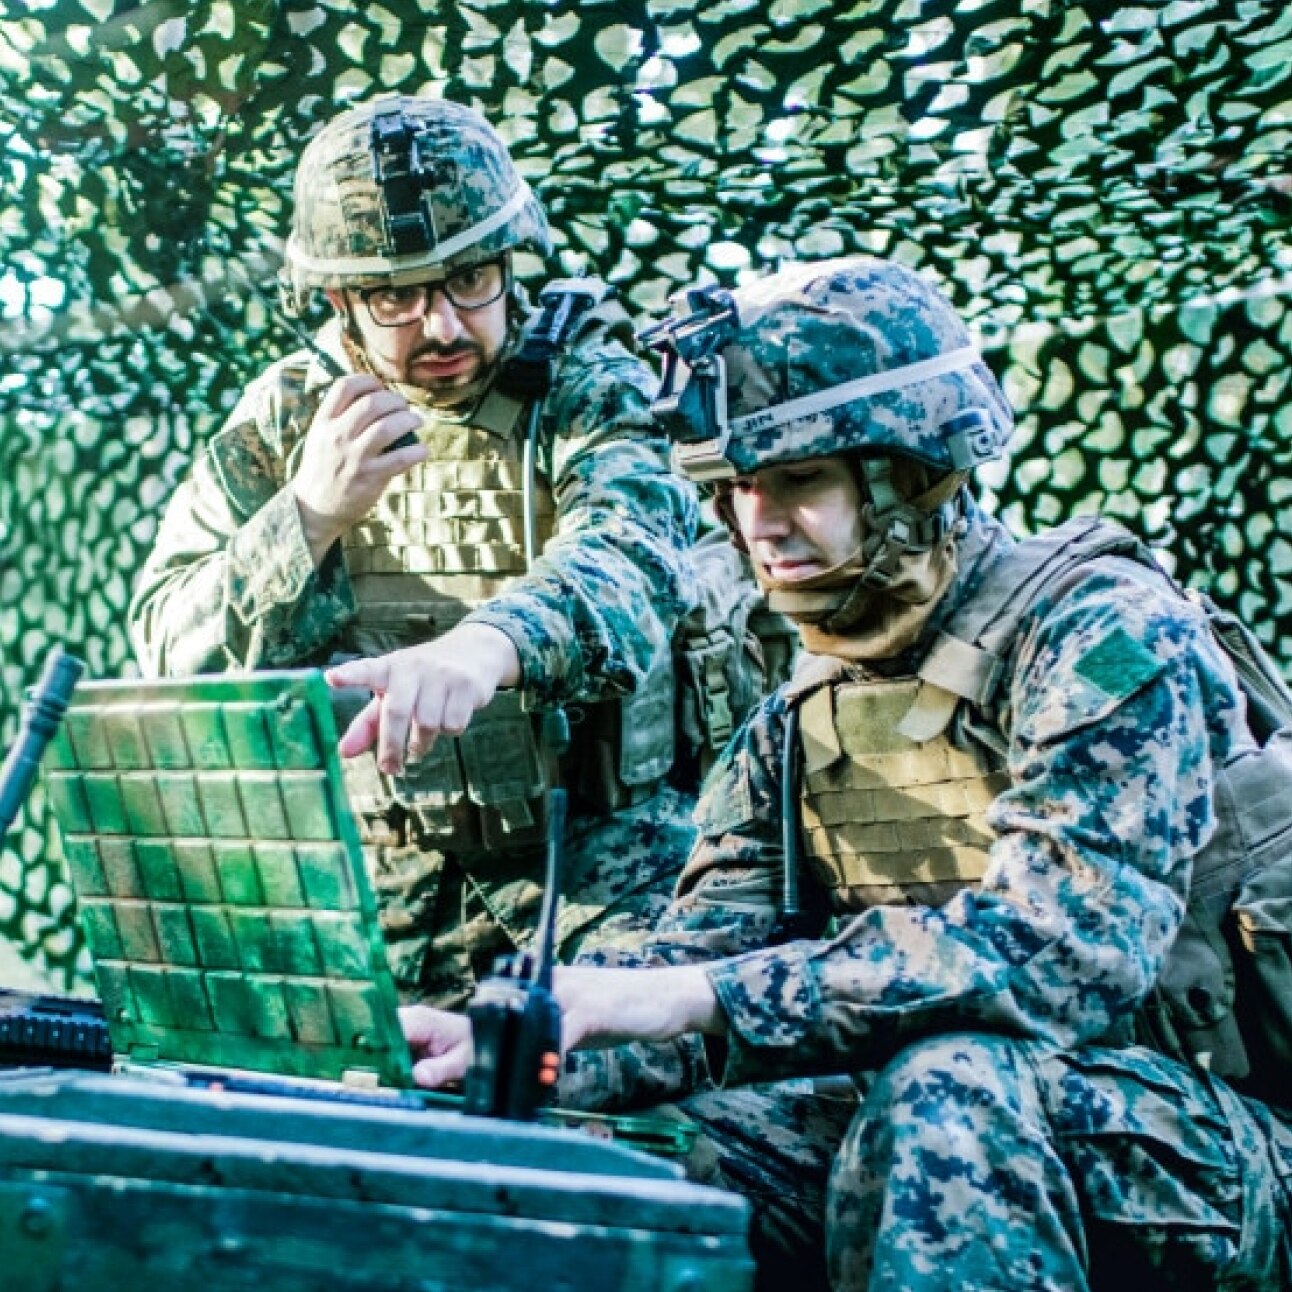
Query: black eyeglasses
{"points": [[470, 288]]}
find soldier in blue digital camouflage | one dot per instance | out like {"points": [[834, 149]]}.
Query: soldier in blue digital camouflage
{"points": [[388, 495], [936, 890]]}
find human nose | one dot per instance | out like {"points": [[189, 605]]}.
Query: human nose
{"points": [[764, 517], [441, 322]]}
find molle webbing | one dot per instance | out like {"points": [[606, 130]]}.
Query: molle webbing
{"points": [[886, 819], [450, 516], [445, 537], [475, 792]]}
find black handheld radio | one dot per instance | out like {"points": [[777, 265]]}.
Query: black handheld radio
{"points": [[279, 313], [515, 1020]]}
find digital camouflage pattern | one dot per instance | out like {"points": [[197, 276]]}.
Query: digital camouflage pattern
{"points": [[230, 584], [1117, 707], [446, 917], [888, 1182], [820, 326], [1091, 1168], [401, 185], [985, 1034], [1026, 183]]}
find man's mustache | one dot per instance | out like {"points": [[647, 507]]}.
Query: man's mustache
{"points": [[463, 345]]}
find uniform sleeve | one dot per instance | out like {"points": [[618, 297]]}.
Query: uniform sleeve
{"points": [[230, 582], [603, 600], [1118, 709], [728, 901], [729, 894]]}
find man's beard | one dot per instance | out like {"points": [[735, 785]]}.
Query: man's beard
{"points": [[453, 391]]}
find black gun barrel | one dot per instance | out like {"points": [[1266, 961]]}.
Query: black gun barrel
{"points": [[46, 704]]}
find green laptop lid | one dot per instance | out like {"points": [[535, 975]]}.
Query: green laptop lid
{"points": [[219, 877]]}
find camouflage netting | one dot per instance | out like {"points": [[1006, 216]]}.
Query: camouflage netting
{"points": [[1103, 188]]}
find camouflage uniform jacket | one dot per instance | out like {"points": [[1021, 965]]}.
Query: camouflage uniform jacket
{"points": [[230, 582], [1116, 709]]}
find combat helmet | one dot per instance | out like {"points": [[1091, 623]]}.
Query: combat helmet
{"points": [[849, 354], [401, 188], [855, 356]]}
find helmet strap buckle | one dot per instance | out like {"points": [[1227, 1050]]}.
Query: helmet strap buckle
{"points": [[898, 529], [893, 543]]}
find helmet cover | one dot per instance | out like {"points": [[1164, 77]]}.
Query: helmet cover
{"points": [[402, 188], [851, 354]]}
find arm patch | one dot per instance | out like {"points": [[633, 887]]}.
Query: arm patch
{"points": [[1118, 665]]}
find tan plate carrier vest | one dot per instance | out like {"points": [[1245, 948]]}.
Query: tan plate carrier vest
{"points": [[887, 820], [894, 812]]}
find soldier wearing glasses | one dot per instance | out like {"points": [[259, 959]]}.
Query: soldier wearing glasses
{"points": [[483, 563]]}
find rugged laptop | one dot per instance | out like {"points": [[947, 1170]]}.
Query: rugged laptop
{"points": [[221, 886], [220, 882]]}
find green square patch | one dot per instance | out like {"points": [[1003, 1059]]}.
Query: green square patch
{"points": [[1118, 665]]}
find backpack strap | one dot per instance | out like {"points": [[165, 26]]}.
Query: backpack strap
{"points": [[1269, 700], [967, 658]]}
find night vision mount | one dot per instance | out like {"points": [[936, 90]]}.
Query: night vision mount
{"points": [[402, 174], [692, 403]]}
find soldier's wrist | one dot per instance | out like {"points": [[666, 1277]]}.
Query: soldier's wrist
{"points": [[493, 650], [321, 533]]}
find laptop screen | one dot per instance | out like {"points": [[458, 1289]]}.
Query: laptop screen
{"points": [[219, 878]]}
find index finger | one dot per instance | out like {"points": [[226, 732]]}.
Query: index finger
{"points": [[343, 392], [372, 673], [363, 730]]}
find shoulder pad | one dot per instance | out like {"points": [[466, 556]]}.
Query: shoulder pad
{"points": [[967, 656], [811, 673]]}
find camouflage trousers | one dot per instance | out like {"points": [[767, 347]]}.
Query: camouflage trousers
{"points": [[446, 917], [977, 1162]]}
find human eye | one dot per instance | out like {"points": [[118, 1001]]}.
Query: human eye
{"points": [[476, 284], [801, 477], [467, 280], [389, 298]]}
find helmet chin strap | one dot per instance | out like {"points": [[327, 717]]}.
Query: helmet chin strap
{"points": [[874, 602], [813, 598]]}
